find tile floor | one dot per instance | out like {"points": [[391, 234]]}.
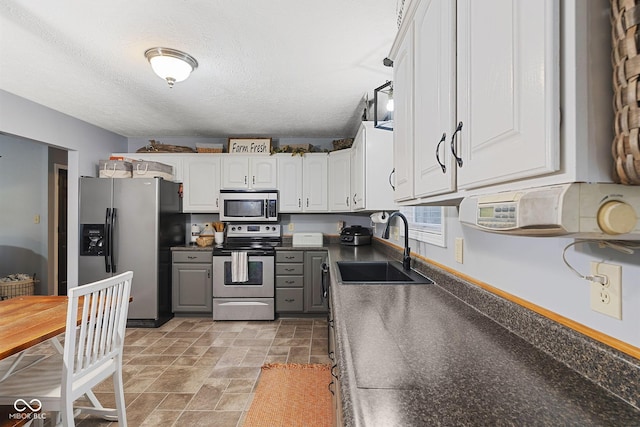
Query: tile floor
{"points": [[197, 372]]}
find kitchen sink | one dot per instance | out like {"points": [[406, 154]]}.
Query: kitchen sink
{"points": [[378, 273]]}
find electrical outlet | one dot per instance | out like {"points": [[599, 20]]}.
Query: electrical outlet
{"points": [[459, 246], [36, 219], [291, 226], [396, 232], [339, 225], [607, 298]]}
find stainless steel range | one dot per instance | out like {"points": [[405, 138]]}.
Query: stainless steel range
{"points": [[247, 253]]}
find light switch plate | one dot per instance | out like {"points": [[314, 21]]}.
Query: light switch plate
{"points": [[459, 249]]}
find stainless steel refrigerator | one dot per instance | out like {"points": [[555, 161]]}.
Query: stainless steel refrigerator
{"points": [[131, 224]]}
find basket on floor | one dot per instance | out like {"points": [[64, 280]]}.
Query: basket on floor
{"points": [[625, 57], [17, 288]]}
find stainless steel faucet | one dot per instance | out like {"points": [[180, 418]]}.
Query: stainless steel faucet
{"points": [[406, 258]]}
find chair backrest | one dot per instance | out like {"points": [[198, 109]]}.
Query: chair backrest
{"points": [[96, 323]]}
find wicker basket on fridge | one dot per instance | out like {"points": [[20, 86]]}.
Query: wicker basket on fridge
{"points": [[625, 35]]}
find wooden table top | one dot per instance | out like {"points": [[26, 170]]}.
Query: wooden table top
{"points": [[28, 320]]}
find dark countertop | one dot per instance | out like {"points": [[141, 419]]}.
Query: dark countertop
{"points": [[192, 247], [416, 355]]}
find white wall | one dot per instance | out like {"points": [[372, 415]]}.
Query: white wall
{"points": [[532, 268], [320, 223], [87, 144], [23, 195]]}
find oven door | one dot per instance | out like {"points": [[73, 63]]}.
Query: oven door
{"points": [[261, 274]]}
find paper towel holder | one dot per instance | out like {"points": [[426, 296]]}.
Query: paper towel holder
{"points": [[382, 217]]}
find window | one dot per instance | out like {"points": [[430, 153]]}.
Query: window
{"points": [[426, 223]]}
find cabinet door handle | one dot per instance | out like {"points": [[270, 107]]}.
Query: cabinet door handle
{"points": [[288, 269], [290, 282], [192, 257], [307, 202], [355, 202], [347, 201], [245, 179], [289, 299], [254, 179], [208, 274], [453, 145], [390, 175], [299, 202], [217, 205], [325, 287], [333, 374], [330, 384], [290, 257], [442, 165]]}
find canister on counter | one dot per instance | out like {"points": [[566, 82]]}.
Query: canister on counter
{"points": [[195, 232]]}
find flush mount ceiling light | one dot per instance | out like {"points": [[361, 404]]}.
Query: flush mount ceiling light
{"points": [[170, 64]]}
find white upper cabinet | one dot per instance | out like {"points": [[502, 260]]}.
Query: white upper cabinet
{"points": [[289, 182], [508, 90], [235, 172], [476, 87], [302, 182], [264, 173], [434, 103], [201, 179], [371, 169], [247, 172], [314, 171], [339, 180], [358, 169], [403, 116]]}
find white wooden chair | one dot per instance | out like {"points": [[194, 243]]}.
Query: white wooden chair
{"points": [[92, 353]]}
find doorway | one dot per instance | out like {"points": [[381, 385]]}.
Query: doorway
{"points": [[60, 230]]}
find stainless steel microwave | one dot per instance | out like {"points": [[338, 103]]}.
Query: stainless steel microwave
{"points": [[255, 206]]}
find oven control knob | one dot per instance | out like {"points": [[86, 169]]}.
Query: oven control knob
{"points": [[233, 229], [239, 228], [617, 218]]}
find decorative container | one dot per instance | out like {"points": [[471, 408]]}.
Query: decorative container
{"points": [[626, 71], [17, 288], [115, 169], [145, 169]]}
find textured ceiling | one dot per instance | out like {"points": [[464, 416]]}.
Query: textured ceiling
{"points": [[281, 68]]}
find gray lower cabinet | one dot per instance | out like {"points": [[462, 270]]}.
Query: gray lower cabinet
{"points": [[315, 300], [299, 282], [192, 286]]}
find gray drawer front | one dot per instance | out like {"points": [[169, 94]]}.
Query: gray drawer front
{"points": [[289, 281], [289, 300], [289, 256], [193, 256], [289, 269]]}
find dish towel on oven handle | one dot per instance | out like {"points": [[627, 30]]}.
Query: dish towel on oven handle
{"points": [[239, 267]]}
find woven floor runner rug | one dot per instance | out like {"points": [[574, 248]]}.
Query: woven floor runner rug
{"points": [[292, 394]]}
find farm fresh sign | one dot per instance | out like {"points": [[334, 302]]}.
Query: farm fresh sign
{"points": [[249, 145]]}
